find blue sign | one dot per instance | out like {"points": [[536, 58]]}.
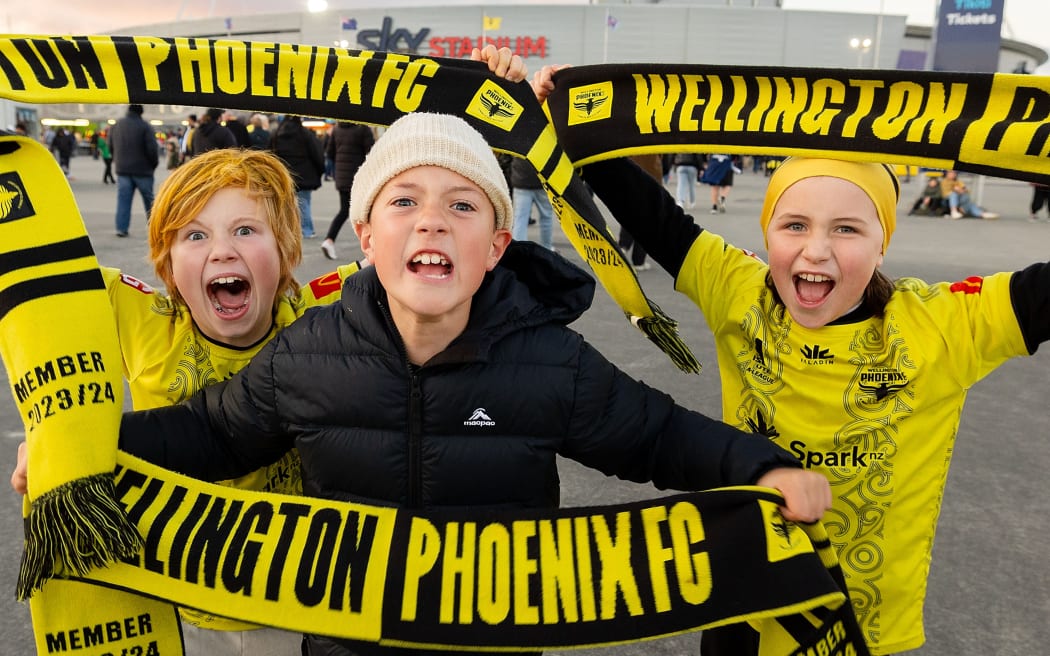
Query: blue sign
{"points": [[967, 36]]}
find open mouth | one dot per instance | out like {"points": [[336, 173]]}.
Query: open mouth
{"points": [[812, 288], [229, 294], [430, 265]]}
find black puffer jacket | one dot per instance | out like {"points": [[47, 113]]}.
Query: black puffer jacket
{"points": [[485, 418]]}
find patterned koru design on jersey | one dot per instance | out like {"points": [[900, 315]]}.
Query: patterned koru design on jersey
{"points": [[194, 371], [872, 371], [761, 370]]}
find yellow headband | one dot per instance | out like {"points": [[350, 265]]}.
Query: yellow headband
{"points": [[878, 181]]}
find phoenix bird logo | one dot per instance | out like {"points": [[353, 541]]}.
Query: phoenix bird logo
{"points": [[592, 103], [882, 390], [494, 109], [782, 527], [14, 201], [11, 197]]}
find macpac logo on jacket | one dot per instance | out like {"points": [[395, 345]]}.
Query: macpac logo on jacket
{"points": [[479, 418]]}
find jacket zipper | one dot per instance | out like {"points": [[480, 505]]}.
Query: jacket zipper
{"points": [[415, 421], [415, 439]]}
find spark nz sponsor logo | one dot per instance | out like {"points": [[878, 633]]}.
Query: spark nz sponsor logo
{"points": [[852, 457]]}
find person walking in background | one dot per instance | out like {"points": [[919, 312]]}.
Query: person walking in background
{"points": [[172, 148], [527, 191], [653, 165], [210, 134], [232, 122], [687, 168], [186, 142], [135, 155], [718, 172], [260, 133], [1040, 197], [107, 158], [348, 143], [301, 152], [63, 145], [329, 163]]}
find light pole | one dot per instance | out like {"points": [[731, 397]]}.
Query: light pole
{"points": [[861, 46]]}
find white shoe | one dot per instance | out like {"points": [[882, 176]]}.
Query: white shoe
{"points": [[989, 216], [644, 266], [956, 214], [328, 248]]}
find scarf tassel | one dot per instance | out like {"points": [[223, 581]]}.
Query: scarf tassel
{"points": [[662, 330], [73, 529]]}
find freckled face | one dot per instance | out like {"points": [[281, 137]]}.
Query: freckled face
{"points": [[226, 266], [824, 243], [431, 236]]}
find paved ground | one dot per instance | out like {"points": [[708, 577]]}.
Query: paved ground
{"points": [[989, 582]]}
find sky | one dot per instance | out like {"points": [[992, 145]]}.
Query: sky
{"points": [[1025, 20]]}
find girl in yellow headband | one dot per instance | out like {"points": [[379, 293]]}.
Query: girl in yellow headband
{"points": [[861, 377]]}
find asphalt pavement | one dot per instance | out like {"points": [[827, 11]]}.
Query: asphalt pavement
{"points": [[989, 588]]}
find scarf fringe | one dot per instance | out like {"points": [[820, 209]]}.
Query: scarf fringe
{"points": [[662, 330], [74, 529]]}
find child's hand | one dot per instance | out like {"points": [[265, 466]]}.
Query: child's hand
{"points": [[503, 62], [807, 494], [543, 81], [19, 477]]}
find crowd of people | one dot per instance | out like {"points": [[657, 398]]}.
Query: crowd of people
{"points": [[444, 229]]}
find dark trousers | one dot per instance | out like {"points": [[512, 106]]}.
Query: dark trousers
{"points": [[1040, 197], [340, 218], [631, 247]]}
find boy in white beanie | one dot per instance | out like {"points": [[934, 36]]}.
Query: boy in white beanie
{"points": [[447, 375]]}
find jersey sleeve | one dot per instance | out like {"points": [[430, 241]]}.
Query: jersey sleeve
{"points": [[139, 320], [716, 273], [974, 318]]}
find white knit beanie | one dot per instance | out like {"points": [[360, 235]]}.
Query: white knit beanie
{"points": [[423, 139]]}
